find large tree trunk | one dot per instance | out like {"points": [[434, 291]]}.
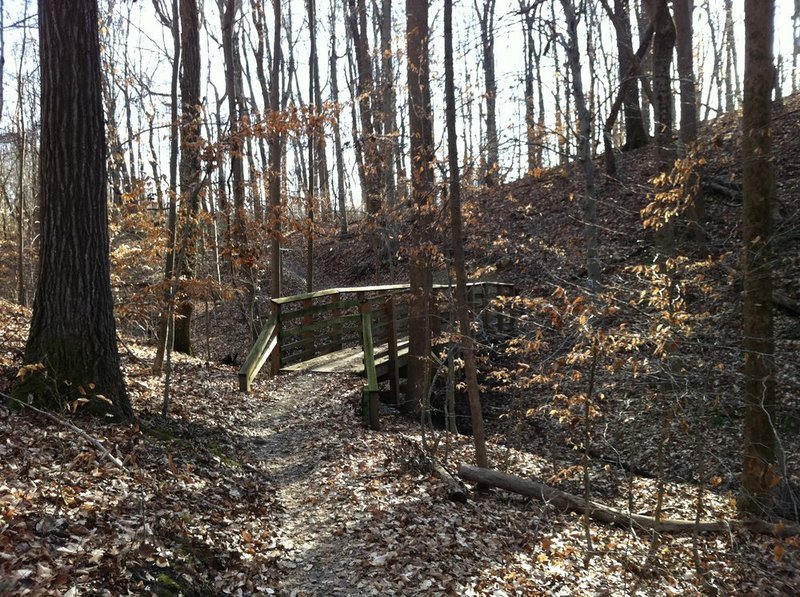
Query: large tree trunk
{"points": [[422, 190], [73, 332], [760, 473], [190, 165], [457, 238]]}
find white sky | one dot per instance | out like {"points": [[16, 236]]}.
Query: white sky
{"points": [[148, 40]]}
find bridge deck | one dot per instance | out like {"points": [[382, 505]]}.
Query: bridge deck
{"points": [[351, 360]]}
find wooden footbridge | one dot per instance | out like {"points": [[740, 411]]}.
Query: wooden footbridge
{"points": [[362, 330]]}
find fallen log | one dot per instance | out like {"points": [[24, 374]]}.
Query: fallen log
{"points": [[607, 514]]}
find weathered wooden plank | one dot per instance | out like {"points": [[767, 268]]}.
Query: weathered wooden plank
{"points": [[371, 389], [336, 306], [351, 290], [261, 351], [392, 357], [317, 309]]}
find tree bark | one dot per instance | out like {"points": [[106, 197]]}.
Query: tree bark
{"points": [[761, 474], [73, 332], [457, 238], [190, 164], [166, 325], [683, 10], [663, 45], [584, 146], [373, 170], [422, 189], [486, 19], [341, 199], [275, 154]]}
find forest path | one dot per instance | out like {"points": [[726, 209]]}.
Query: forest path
{"points": [[309, 442]]}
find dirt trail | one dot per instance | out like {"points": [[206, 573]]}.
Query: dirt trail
{"points": [[299, 443]]}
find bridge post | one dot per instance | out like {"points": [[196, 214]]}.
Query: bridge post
{"points": [[370, 401], [275, 360], [391, 340], [308, 336], [336, 328]]}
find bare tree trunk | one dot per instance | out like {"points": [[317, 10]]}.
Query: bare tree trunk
{"points": [[373, 168], [795, 46], [584, 146], [275, 152], [190, 165], [761, 471], [663, 45], [22, 292], [337, 133], [321, 160], [228, 10], [456, 232], [422, 189], [635, 133], [170, 21], [2, 53], [486, 18], [683, 10], [531, 132], [389, 140], [645, 15], [730, 104]]}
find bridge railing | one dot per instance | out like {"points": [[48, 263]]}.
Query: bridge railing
{"points": [[304, 326]]}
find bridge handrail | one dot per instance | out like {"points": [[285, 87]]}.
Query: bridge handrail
{"points": [[334, 315], [259, 354]]}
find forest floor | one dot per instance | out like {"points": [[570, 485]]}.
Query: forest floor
{"points": [[283, 491]]}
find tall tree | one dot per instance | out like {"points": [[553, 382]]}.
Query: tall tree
{"points": [[341, 200], [166, 330], [683, 10], [760, 476], [373, 170], [663, 46], [486, 18], [796, 44], [275, 154], [456, 233], [627, 65], [420, 118], [73, 332], [584, 144], [190, 164], [2, 54], [228, 11]]}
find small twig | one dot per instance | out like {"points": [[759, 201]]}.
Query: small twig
{"points": [[77, 430]]}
